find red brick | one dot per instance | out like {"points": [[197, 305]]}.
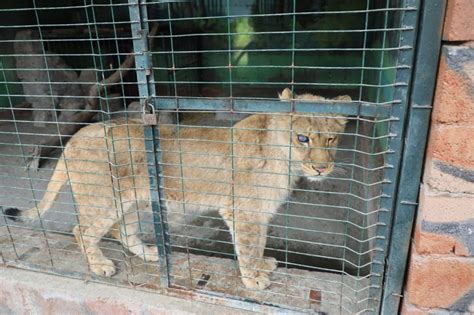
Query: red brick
{"points": [[61, 306], [11, 301], [459, 24], [444, 207], [20, 299], [100, 306], [453, 102], [432, 243], [37, 301], [157, 311], [438, 282], [452, 145]]}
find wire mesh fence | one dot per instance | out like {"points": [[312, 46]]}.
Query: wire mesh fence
{"points": [[267, 176]]}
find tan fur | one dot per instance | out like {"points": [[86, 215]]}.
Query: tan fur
{"points": [[107, 169]]}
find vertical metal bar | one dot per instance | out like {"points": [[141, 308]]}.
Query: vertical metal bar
{"points": [[352, 177], [17, 133], [178, 133], [426, 66], [232, 122], [405, 57], [55, 120], [111, 158], [146, 88], [378, 100], [290, 144]]}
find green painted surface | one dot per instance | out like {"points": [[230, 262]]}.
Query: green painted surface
{"points": [[8, 83], [260, 47]]}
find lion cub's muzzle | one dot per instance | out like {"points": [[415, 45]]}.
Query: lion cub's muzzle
{"points": [[317, 169]]}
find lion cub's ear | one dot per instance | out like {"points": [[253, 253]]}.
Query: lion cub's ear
{"points": [[342, 121], [286, 95], [344, 98]]}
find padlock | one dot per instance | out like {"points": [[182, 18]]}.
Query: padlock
{"points": [[149, 116], [149, 119]]}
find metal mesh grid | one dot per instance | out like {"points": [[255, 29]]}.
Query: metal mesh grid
{"points": [[208, 66]]}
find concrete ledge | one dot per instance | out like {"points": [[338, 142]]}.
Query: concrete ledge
{"points": [[28, 292]]}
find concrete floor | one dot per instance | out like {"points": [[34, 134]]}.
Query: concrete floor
{"points": [[292, 288], [320, 237]]}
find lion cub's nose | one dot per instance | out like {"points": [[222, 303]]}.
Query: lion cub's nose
{"points": [[319, 168]]}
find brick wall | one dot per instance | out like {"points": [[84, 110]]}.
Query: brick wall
{"points": [[441, 268]]}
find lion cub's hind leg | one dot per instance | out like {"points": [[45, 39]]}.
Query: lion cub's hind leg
{"points": [[88, 238], [249, 233], [127, 232]]}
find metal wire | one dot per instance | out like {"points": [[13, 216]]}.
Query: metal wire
{"points": [[210, 64]]}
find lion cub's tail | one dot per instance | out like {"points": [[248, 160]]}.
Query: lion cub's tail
{"points": [[56, 182]]}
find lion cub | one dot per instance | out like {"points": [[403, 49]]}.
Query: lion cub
{"points": [[241, 171]]}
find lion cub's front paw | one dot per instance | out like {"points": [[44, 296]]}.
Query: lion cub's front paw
{"points": [[151, 253], [268, 264], [103, 267], [260, 282]]}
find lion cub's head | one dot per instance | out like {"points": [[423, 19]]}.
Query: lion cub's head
{"points": [[314, 138]]}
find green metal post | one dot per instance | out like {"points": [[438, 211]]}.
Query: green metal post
{"points": [[407, 40], [426, 65], [140, 31]]}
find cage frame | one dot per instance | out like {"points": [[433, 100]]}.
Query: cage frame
{"points": [[410, 116], [137, 11], [404, 109], [416, 134]]}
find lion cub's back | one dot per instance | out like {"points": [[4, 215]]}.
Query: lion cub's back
{"points": [[103, 155], [102, 142]]}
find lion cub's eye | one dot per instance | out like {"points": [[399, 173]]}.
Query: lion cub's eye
{"points": [[303, 139]]}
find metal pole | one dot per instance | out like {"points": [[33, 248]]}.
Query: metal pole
{"points": [[426, 66], [140, 31]]}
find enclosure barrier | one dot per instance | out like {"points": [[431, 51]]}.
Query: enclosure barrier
{"points": [[247, 150]]}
